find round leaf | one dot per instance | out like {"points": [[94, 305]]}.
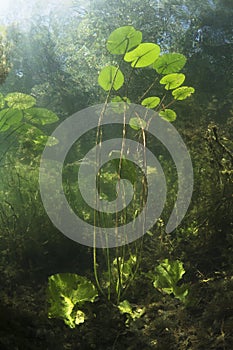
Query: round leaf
{"points": [[183, 92], [41, 116], [137, 123], [120, 99], [18, 100], [168, 115], [151, 102], [9, 117], [123, 39], [172, 81], [119, 104], [144, 55], [169, 63], [111, 77]]}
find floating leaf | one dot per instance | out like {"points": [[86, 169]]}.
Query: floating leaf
{"points": [[183, 92], [121, 99], [169, 63], [151, 102], [123, 39], [172, 81], [137, 123], [2, 101], [144, 55], [168, 115], [41, 116], [119, 104], [111, 77], [65, 290], [18, 100], [9, 117]]}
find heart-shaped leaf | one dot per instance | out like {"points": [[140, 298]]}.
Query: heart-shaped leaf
{"points": [[137, 123], [169, 63], [183, 92], [151, 102], [168, 115], [172, 81], [144, 55], [18, 100], [111, 77], [123, 39]]}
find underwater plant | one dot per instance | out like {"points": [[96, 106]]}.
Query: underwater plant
{"points": [[122, 263], [19, 117], [165, 70]]}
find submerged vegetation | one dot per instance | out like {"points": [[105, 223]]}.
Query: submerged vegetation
{"points": [[164, 290], [65, 294]]}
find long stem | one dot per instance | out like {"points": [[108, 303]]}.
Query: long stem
{"points": [[95, 270]]}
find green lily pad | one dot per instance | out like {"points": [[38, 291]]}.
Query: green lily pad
{"points": [[144, 55], [137, 123], [123, 39], [172, 81], [168, 115], [183, 92], [111, 77], [18, 100], [119, 104], [151, 102], [169, 63]]}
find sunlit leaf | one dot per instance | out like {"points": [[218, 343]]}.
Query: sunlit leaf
{"points": [[168, 274], [151, 102], [41, 116], [121, 99], [65, 290], [183, 92], [137, 123], [111, 77], [123, 39], [80, 317], [18, 100], [169, 63], [144, 55], [120, 104], [168, 115], [172, 81], [125, 307], [9, 117]]}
